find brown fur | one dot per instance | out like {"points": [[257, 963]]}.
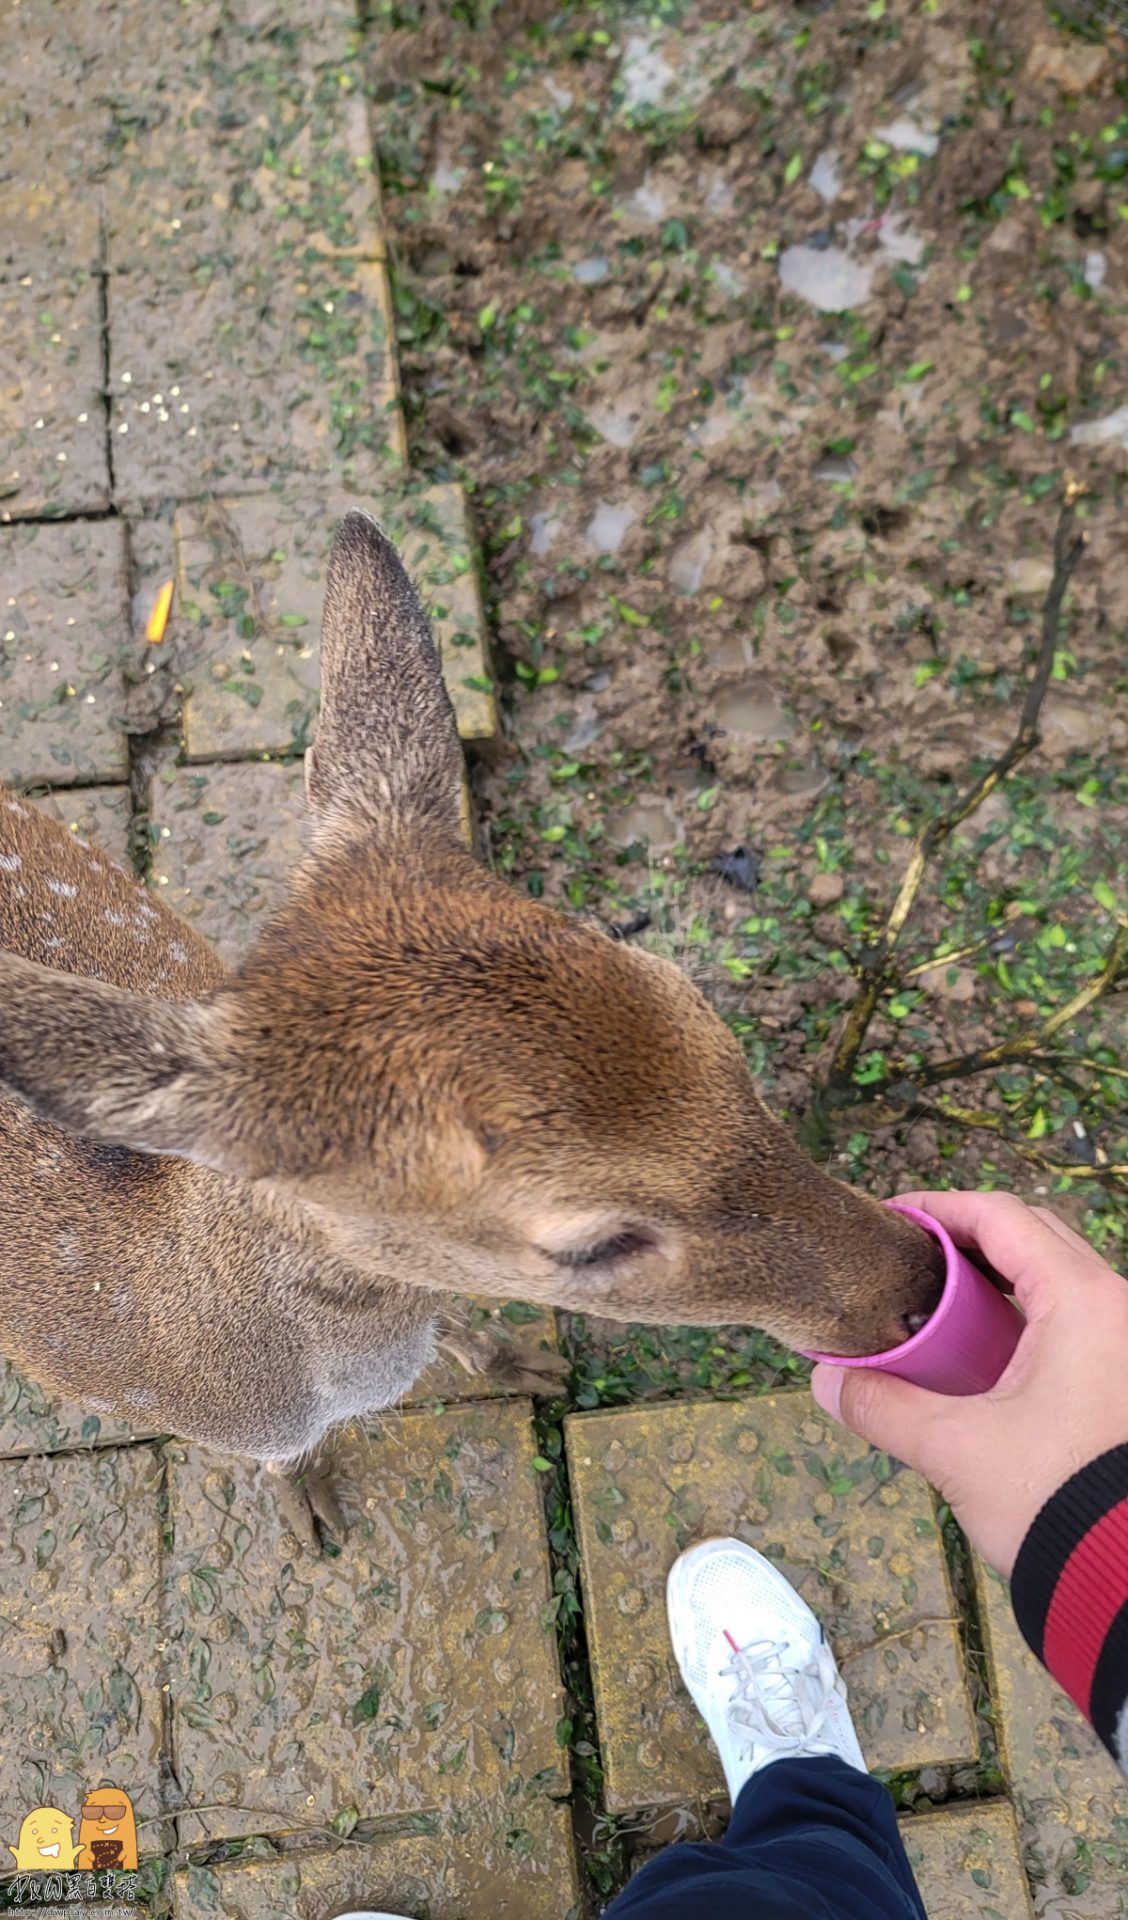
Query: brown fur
{"points": [[228, 1202]]}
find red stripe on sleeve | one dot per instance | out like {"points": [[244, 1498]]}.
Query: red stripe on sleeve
{"points": [[1090, 1592]]}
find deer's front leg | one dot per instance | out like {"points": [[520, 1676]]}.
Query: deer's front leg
{"points": [[487, 1357], [308, 1504]]}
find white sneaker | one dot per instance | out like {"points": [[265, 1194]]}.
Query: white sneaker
{"points": [[756, 1661]]}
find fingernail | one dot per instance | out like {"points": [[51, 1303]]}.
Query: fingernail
{"points": [[826, 1388]]}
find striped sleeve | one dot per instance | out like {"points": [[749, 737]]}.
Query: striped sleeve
{"points": [[1070, 1594]]}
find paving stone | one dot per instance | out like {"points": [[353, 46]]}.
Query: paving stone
{"points": [[146, 47], [231, 380], [117, 39], [52, 419], [226, 842], [512, 1860], [101, 815], [968, 1862], [1072, 1803], [410, 1672], [79, 1656], [33, 1421], [47, 216], [255, 155], [260, 563], [50, 129], [859, 1541], [64, 632]]}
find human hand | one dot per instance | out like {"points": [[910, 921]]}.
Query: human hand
{"points": [[997, 1457]]}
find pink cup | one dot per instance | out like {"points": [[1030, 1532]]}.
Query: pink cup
{"points": [[969, 1339]]}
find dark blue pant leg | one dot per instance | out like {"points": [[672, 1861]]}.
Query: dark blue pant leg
{"points": [[808, 1840]]}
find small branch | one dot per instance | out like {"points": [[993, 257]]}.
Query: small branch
{"points": [[980, 1120], [1068, 548], [947, 959], [1083, 1060], [1023, 1045], [899, 1633]]}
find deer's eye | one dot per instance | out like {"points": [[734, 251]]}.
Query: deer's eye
{"points": [[616, 1248]]}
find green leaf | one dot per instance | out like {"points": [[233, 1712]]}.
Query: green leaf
{"points": [[367, 1707], [1105, 897], [125, 1698], [490, 1620], [247, 690], [793, 168]]}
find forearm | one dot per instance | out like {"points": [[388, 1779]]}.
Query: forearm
{"points": [[1070, 1594]]}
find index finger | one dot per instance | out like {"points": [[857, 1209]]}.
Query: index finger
{"points": [[1038, 1262]]}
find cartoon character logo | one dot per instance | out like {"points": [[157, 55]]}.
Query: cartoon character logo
{"points": [[46, 1841], [108, 1831]]}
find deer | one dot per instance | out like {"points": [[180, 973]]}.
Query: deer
{"points": [[231, 1203]]}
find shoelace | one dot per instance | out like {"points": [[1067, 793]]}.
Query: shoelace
{"points": [[780, 1707]]}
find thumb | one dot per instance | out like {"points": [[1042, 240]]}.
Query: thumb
{"points": [[892, 1414]]}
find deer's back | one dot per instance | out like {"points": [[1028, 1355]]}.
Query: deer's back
{"points": [[70, 1209], [64, 903]]}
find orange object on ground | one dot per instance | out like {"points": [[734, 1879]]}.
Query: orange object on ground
{"points": [[158, 619]]}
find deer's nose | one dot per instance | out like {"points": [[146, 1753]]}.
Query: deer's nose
{"points": [[919, 1315]]}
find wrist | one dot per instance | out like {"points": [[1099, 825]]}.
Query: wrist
{"points": [[1070, 1587]]}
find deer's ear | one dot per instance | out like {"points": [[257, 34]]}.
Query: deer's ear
{"points": [[153, 1075], [387, 747]]}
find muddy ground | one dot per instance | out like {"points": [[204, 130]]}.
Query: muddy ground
{"points": [[767, 340]]}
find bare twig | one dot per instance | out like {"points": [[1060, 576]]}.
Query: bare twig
{"points": [[982, 1120], [899, 1633], [878, 971], [1083, 1060], [1021, 1046]]}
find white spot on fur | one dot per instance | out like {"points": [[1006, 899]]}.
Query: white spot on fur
{"points": [[14, 806], [10, 862], [112, 917], [62, 887], [178, 952]]}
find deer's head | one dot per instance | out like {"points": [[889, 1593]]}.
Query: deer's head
{"points": [[469, 1091]]}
